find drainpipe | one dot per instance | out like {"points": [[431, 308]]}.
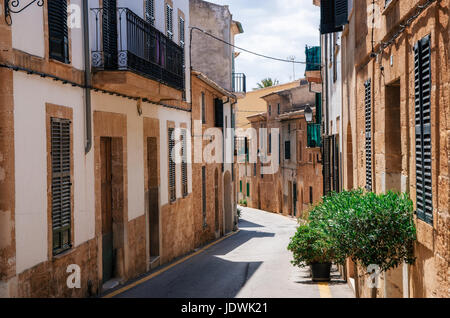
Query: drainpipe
{"points": [[87, 78]]}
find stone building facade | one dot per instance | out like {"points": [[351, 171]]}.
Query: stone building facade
{"points": [[395, 110], [89, 120], [297, 182]]}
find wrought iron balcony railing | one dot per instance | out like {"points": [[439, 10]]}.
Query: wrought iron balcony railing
{"points": [[239, 83], [125, 41]]}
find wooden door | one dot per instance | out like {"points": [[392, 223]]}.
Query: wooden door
{"points": [[153, 192], [106, 202]]}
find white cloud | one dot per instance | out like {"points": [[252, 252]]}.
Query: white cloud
{"points": [[278, 28]]}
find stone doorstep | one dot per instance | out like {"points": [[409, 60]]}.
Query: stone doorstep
{"points": [[111, 284], [155, 262]]}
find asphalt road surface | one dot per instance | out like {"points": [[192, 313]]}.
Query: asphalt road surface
{"points": [[253, 263]]}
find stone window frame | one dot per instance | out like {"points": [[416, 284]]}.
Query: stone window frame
{"points": [[61, 112]]}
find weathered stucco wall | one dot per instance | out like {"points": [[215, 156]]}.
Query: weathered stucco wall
{"points": [[210, 56], [393, 79]]}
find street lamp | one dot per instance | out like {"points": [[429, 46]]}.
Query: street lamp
{"points": [[308, 114]]}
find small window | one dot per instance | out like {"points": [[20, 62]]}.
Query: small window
{"points": [[169, 21], [248, 189], [58, 31], [240, 186], [150, 11], [287, 150], [270, 110], [203, 109], [278, 110], [270, 143], [311, 195]]}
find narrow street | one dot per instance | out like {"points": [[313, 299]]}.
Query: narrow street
{"points": [[253, 263]]}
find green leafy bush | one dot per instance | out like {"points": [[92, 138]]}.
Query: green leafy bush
{"points": [[369, 228], [311, 245]]}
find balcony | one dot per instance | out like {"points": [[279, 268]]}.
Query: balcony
{"points": [[239, 83], [313, 61], [126, 42]]}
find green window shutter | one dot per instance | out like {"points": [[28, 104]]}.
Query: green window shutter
{"points": [[240, 186], [368, 119], [58, 30], [248, 189], [422, 64], [61, 185], [172, 166], [328, 17]]}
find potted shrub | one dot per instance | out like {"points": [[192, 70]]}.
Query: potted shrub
{"points": [[371, 229], [312, 247]]}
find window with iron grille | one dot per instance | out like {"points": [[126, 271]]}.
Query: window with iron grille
{"points": [[172, 166], [270, 110], [203, 109], [368, 129], [204, 196], [58, 31], [422, 65], [184, 176], [150, 11], [61, 185], [169, 21]]}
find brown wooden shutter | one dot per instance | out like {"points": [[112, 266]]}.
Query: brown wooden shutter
{"points": [[172, 166], [368, 129], [422, 64], [61, 184], [58, 30]]}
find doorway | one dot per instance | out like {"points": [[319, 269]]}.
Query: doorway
{"points": [[153, 201], [216, 202], [393, 141], [294, 196], [107, 216], [228, 204]]}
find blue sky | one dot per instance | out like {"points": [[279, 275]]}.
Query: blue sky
{"points": [[279, 28]]}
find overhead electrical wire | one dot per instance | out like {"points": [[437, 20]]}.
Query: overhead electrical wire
{"points": [[251, 52]]}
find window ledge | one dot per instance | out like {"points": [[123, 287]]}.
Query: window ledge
{"points": [[389, 7], [425, 234]]}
